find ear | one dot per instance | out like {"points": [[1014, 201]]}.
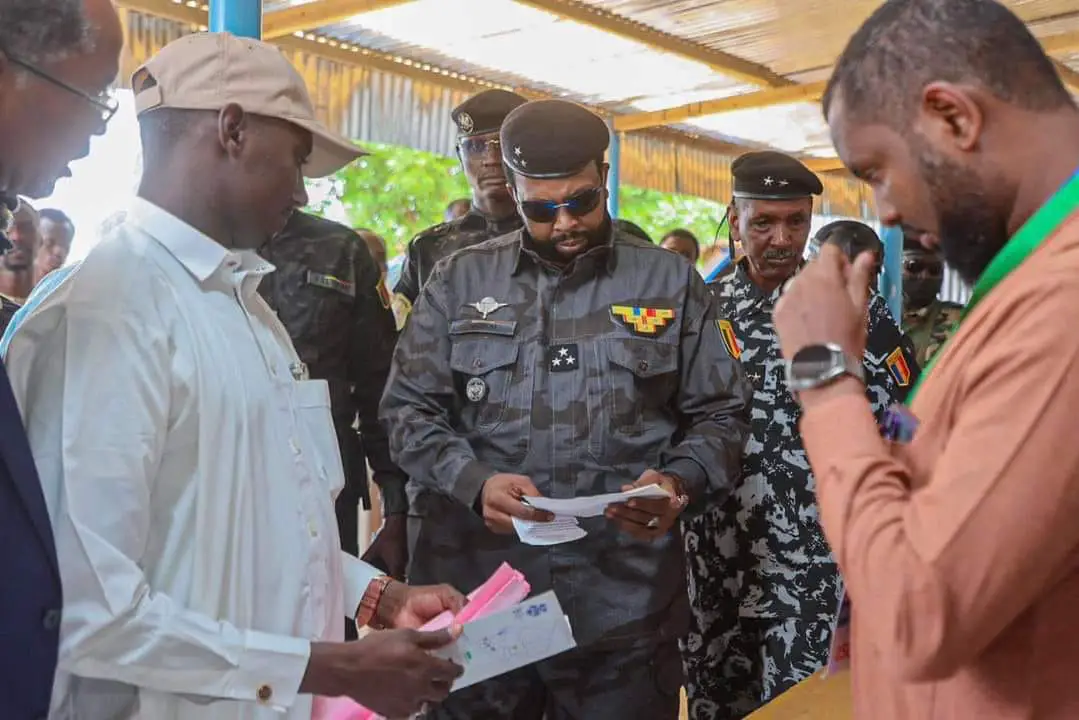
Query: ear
{"points": [[233, 127], [950, 116], [604, 170]]}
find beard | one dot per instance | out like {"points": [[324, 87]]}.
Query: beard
{"points": [[920, 292], [971, 217], [591, 238]]}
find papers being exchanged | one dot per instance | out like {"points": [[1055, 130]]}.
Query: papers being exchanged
{"points": [[565, 528]]}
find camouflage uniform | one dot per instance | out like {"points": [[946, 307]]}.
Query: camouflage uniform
{"points": [[510, 364], [762, 582], [441, 241], [929, 327], [328, 292]]}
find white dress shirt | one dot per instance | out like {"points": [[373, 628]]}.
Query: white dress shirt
{"points": [[190, 469]]}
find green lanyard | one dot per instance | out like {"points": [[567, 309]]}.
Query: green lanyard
{"points": [[1034, 231]]}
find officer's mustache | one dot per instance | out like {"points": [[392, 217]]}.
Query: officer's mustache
{"points": [[778, 255]]}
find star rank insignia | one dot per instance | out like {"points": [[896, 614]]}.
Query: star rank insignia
{"points": [[642, 320], [563, 358]]}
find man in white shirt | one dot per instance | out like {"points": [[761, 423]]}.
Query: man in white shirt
{"points": [[187, 461]]}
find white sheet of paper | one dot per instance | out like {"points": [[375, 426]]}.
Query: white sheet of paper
{"points": [[592, 505], [530, 631], [563, 529]]}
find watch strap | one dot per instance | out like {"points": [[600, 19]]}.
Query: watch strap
{"points": [[365, 614]]}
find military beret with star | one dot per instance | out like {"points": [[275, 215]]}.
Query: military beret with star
{"points": [[484, 112], [552, 139], [769, 175]]}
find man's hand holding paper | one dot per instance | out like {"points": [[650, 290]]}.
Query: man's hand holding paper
{"points": [[501, 499], [649, 518]]}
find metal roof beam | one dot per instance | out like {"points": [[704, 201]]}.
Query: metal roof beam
{"points": [[761, 99], [725, 63], [318, 14]]}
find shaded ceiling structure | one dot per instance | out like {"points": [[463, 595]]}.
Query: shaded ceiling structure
{"points": [[688, 84]]}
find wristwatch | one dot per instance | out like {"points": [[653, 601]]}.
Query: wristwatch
{"points": [[817, 365]]}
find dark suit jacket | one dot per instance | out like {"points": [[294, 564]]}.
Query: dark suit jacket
{"points": [[30, 598]]}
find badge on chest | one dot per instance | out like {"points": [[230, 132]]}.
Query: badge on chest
{"points": [[563, 358]]}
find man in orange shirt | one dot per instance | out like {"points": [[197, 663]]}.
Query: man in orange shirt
{"points": [[958, 540]]}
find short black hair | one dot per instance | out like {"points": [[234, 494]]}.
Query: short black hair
{"points": [[685, 235], [42, 30], [907, 44], [851, 236], [59, 217]]}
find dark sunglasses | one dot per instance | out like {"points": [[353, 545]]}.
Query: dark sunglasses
{"points": [[478, 145], [577, 205], [922, 267], [103, 103]]}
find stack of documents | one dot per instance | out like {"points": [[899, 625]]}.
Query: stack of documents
{"points": [[500, 633], [565, 528]]}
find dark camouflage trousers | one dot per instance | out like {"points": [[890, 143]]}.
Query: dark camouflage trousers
{"points": [[750, 661], [639, 683]]}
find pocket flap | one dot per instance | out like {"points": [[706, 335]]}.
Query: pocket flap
{"points": [[643, 358], [479, 357]]}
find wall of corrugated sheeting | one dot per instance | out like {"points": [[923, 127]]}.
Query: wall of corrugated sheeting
{"points": [[375, 106]]}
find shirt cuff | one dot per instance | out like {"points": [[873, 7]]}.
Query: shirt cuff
{"points": [[469, 483], [394, 497], [358, 575], [694, 478], [270, 670]]}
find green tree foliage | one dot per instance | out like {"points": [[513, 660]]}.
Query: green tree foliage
{"points": [[397, 192]]}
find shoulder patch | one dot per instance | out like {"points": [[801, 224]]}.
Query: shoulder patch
{"points": [[898, 367], [331, 283], [641, 320], [726, 330], [383, 291]]}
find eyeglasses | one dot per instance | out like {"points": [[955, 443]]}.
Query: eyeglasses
{"points": [[577, 205], [103, 102], [478, 145], [917, 266]]}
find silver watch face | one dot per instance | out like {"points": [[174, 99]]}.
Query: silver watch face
{"points": [[815, 363]]}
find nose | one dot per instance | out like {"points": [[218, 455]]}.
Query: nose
{"points": [[299, 192], [782, 236], [887, 213], [565, 222]]}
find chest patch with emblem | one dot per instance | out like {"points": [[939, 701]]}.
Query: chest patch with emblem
{"points": [[642, 320], [563, 358], [898, 367], [475, 390], [726, 330], [331, 283]]}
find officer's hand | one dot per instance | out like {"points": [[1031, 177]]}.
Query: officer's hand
{"points": [[648, 519], [501, 500], [389, 550], [389, 671]]}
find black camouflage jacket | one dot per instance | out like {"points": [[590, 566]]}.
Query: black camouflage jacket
{"points": [[328, 292], [775, 553], [581, 379], [440, 241]]}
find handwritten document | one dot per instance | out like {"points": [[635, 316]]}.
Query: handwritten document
{"points": [[563, 529], [530, 631], [593, 505]]}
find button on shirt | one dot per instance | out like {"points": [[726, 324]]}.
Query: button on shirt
{"points": [[189, 468]]}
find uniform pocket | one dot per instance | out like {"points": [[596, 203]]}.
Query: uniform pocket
{"points": [[485, 372], [635, 386]]}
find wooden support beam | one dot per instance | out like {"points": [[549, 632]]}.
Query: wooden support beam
{"points": [[763, 98], [324, 47], [724, 63], [823, 165], [1069, 77], [318, 14]]}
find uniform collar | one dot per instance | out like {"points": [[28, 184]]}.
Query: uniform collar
{"points": [[197, 252], [602, 256], [751, 289], [476, 220]]}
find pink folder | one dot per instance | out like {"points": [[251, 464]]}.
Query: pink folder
{"points": [[503, 590]]}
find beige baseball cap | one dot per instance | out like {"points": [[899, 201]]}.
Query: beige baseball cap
{"points": [[207, 71]]}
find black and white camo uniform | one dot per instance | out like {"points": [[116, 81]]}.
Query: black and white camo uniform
{"points": [[762, 583]]}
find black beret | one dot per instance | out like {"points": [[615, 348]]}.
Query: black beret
{"points": [[552, 139], [769, 175], [484, 112]]}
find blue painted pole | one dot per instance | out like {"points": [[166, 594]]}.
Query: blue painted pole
{"points": [[614, 159], [891, 280], [239, 17]]}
